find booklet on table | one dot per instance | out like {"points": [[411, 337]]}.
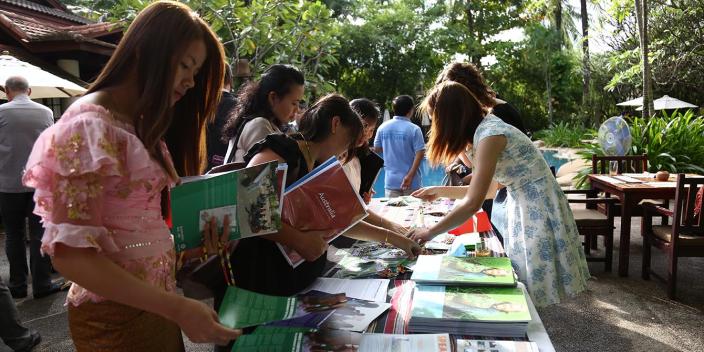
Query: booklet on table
{"points": [[463, 271]]}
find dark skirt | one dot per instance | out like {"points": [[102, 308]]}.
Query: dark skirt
{"points": [[259, 266]]}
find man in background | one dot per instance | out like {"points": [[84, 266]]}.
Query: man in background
{"points": [[21, 122], [13, 336], [401, 142]]}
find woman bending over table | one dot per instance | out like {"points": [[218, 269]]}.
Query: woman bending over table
{"points": [[540, 235]]}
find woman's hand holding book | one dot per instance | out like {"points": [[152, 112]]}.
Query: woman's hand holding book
{"points": [[200, 323]]}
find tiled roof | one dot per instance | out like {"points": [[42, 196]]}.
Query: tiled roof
{"points": [[47, 10], [32, 30]]}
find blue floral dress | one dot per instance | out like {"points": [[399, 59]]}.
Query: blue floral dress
{"points": [[540, 235]]}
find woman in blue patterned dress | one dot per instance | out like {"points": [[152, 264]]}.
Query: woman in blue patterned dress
{"points": [[540, 235]]}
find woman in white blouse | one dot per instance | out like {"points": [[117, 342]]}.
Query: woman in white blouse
{"points": [[262, 107]]}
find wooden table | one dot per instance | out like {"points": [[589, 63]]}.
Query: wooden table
{"points": [[630, 194]]}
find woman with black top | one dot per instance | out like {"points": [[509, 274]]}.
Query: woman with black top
{"points": [[263, 107], [329, 128]]}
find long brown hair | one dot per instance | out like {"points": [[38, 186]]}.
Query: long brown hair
{"points": [[455, 113], [469, 76], [150, 47]]}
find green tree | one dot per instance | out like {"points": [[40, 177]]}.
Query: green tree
{"points": [[642, 20], [675, 57], [469, 26], [264, 32], [520, 76], [586, 70], [387, 50]]}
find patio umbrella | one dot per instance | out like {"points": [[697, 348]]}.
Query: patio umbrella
{"points": [[632, 102], [43, 83], [670, 103]]}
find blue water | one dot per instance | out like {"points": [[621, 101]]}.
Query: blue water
{"points": [[433, 176], [552, 158]]}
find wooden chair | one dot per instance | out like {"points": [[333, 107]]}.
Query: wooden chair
{"points": [[626, 164], [684, 238], [592, 223]]}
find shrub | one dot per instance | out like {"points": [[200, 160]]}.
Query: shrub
{"points": [[563, 134], [674, 143]]}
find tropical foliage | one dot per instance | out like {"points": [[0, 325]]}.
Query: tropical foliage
{"points": [[564, 134], [531, 51]]}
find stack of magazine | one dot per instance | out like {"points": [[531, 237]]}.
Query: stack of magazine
{"points": [[468, 296], [463, 271], [323, 200], [462, 310]]}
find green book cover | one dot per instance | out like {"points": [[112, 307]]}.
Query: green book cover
{"points": [[248, 196], [295, 341], [241, 308], [481, 304], [268, 329], [475, 271]]}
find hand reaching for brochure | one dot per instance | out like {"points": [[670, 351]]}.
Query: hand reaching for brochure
{"points": [[200, 323], [427, 194], [411, 248], [397, 228], [420, 235], [212, 241]]}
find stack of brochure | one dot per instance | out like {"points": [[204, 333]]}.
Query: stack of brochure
{"points": [[478, 311]]}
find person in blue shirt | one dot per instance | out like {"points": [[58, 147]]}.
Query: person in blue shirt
{"points": [[401, 142]]}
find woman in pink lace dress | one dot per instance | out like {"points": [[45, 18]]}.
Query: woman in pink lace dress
{"points": [[99, 175]]}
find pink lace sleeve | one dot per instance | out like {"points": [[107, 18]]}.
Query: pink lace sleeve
{"points": [[70, 167]]}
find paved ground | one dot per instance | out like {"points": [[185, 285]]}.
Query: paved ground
{"points": [[616, 314]]}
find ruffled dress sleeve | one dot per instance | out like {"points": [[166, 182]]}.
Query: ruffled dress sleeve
{"points": [[71, 167]]}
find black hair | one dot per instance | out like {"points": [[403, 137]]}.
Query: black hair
{"points": [[365, 108], [402, 105], [316, 123], [253, 97]]}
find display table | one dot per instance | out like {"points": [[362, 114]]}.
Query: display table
{"points": [[401, 288]]}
